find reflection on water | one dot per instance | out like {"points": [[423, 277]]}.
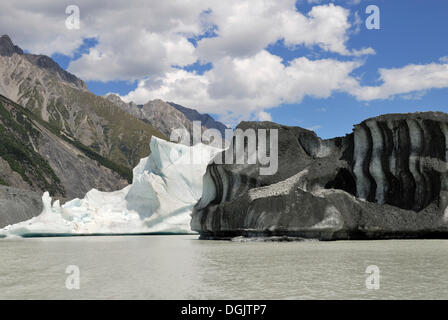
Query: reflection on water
{"points": [[182, 267]]}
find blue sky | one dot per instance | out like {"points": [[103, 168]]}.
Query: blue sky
{"points": [[411, 32]]}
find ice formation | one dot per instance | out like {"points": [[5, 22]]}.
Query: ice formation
{"points": [[165, 187]]}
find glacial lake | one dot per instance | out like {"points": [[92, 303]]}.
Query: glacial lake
{"points": [[182, 267]]}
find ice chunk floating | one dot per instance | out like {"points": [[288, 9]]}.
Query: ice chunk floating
{"points": [[165, 187]]}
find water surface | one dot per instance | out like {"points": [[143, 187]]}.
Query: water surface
{"points": [[182, 267]]}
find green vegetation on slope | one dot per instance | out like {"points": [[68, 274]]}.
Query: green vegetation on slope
{"points": [[123, 171], [16, 149], [3, 182]]}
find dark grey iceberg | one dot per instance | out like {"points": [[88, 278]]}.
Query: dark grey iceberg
{"points": [[387, 179]]}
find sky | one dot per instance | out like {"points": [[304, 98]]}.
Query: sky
{"points": [[307, 63]]}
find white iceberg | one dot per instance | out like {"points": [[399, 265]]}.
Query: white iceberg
{"points": [[165, 187]]}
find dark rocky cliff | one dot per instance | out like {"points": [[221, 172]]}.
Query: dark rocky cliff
{"points": [[388, 179]]}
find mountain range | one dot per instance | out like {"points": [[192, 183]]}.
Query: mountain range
{"points": [[166, 116], [58, 136]]}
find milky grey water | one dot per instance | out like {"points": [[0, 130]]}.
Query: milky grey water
{"points": [[182, 267]]}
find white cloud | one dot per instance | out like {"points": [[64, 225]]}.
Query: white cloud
{"points": [[34, 27], [139, 38], [326, 26], [264, 116], [415, 95], [136, 38], [404, 80], [357, 23], [243, 28], [143, 40], [239, 87], [118, 61], [350, 2]]}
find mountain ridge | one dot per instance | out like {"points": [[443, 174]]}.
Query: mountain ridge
{"points": [[166, 116], [206, 120], [36, 157], [7, 48], [38, 84], [83, 141]]}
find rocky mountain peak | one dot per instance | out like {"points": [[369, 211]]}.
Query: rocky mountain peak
{"points": [[113, 98], [45, 62], [166, 116], [130, 107], [206, 120], [7, 48]]}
